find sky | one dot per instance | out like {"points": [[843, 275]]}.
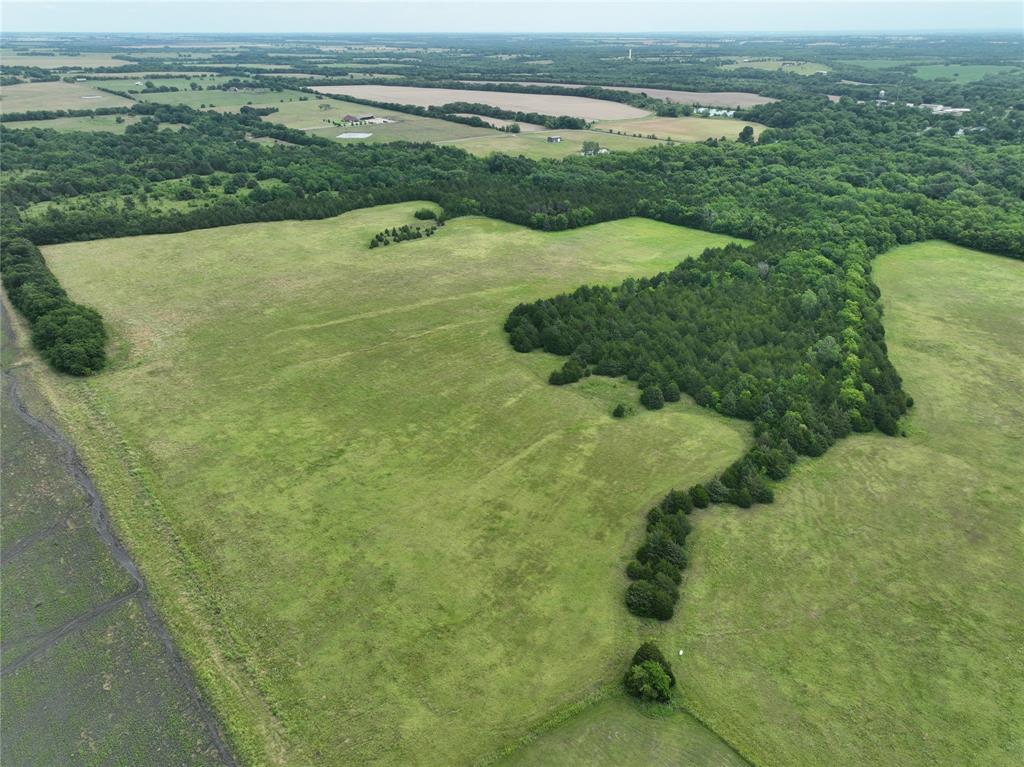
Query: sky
{"points": [[501, 16]]}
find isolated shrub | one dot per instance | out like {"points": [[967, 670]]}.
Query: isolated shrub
{"points": [[649, 651], [619, 411], [425, 214], [648, 681], [652, 399], [700, 497]]}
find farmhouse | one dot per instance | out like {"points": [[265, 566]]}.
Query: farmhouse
{"points": [[554, 139]]}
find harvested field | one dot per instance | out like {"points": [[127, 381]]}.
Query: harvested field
{"points": [[729, 99], [575, 106], [59, 61], [535, 144]]}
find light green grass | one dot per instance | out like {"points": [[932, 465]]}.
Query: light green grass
{"points": [[106, 123], [785, 65], [378, 532], [308, 116], [27, 97], [872, 615], [682, 128], [57, 61], [619, 731], [535, 144], [961, 73]]}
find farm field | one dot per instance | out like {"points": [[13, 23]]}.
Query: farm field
{"points": [[107, 123], [682, 128], [619, 732], [310, 117], [774, 65], [575, 106], [58, 61], [27, 97], [872, 614], [408, 564], [86, 678], [962, 73], [535, 144], [726, 99]]}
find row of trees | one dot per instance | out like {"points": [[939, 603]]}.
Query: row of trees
{"points": [[70, 336]]}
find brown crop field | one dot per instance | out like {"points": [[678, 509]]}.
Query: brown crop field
{"points": [[576, 106], [724, 99]]}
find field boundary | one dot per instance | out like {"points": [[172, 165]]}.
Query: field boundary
{"points": [[15, 335]]}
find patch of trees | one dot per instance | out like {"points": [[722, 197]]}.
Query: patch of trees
{"points": [[71, 337], [53, 114], [403, 233], [656, 570]]}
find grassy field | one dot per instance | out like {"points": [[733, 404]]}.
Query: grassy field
{"points": [[961, 73], [872, 614], [107, 123], [682, 128], [773, 65], [308, 116], [27, 97], [575, 106], [57, 61], [535, 143], [380, 533], [87, 680], [619, 731]]}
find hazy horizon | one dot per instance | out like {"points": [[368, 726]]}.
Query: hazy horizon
{"points": [[806, 17]]}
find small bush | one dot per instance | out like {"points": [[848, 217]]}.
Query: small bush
{"points": [[425, 214]]}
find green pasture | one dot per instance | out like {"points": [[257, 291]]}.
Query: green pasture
{"points": [[314, 116], [106, 123], [872, 615], [377, 532], [27, 97], [784, 65], [680, 128], [534, 144], [619, 731], [961, 73]]}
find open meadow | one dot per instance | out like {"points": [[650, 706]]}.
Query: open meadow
{"points": [[370, 555], [961, 73], [681, 128], [26, 97], [871, 615], [535, 144], [783, 65], [108, 123], [316, 115], [574, 106]]}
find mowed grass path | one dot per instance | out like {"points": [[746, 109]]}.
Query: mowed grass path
{"points": [[378, 532], [872, 615]]}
